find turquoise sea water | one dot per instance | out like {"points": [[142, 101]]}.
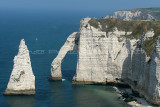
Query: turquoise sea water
{"points": [[45, 33]]}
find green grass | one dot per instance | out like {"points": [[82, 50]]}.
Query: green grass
{"points": [[138, 28], [153, 9], [155, 12]]}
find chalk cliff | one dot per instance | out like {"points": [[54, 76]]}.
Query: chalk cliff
{"points": [[22, 79], [126, 15], [100, 56], [70, 45], [108, 54], [154, 74], [136, 14], [145, 75]]}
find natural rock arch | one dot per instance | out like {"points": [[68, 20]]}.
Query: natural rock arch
{"points": [[70, 45]]}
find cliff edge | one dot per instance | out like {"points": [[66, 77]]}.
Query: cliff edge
{"points": [[137, 14], [112, 50]]}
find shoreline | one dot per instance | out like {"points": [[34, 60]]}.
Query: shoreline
{"points": [[132, 98], [124, 91]]}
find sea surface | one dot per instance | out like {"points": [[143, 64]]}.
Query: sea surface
{"points": [[45, 32]]}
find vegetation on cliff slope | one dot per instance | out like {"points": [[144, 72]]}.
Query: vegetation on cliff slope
{"points": [[155, 12], [153, 9], [138, 28]]}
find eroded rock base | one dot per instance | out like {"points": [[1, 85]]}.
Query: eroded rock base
{"points": [[19, 92], [88, 82], [55, 79]]}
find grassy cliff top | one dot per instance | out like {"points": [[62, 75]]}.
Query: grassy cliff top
{"points": [[153, 9], [138, 28]]}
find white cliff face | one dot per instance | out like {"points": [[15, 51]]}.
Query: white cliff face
{"points": [[117, 53], [92, 55], [22, 78], [119, 33], [125, 15], [149, 17], [148, 35], [100, 56], [130, 15], [103, 58], [144, 76], [154, 74], [69, 45], [138, 66]]}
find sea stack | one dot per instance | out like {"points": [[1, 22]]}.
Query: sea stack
{"points": [[22, 79]]}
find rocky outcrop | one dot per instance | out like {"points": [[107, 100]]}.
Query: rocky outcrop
{"points": [[100, 56], [103, 58], [145, 75], [149, 17], [92, 55], [148, 35], [70, 45], [22, 79], [119, 33], [154, 75], [128, 15]]}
